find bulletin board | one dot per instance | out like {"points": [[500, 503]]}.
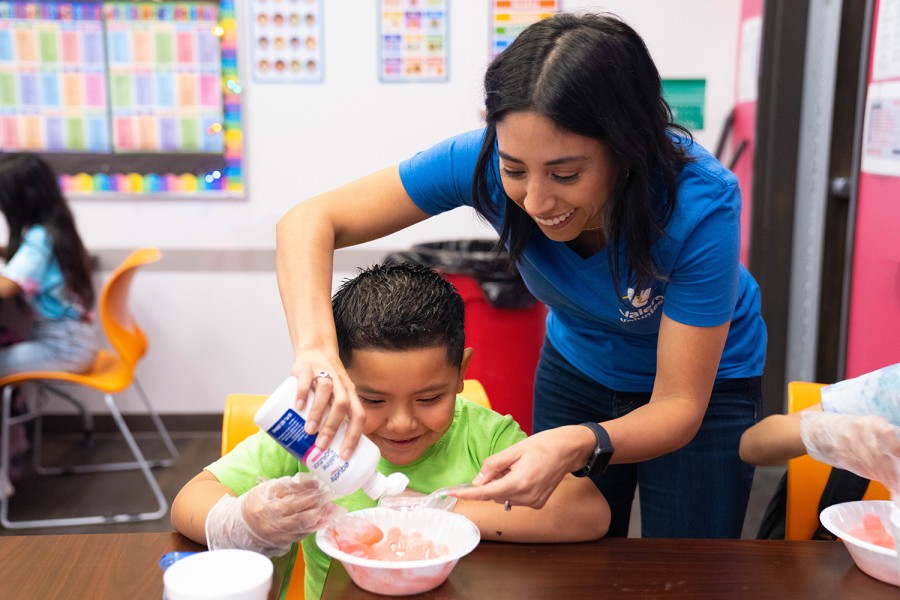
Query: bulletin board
{"points": [[874, 309], [124, 97]]}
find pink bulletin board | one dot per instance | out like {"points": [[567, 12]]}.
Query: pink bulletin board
{"points": [[743, 136], [874, 320]]}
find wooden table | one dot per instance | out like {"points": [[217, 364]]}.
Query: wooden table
{"points": [[126, 566], [645, 568], [86, 566]]}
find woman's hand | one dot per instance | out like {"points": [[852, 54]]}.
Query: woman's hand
{"points": [[334, 399], [527, 473]]}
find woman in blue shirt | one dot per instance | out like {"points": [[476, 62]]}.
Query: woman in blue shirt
{"points": [[627, 230]]}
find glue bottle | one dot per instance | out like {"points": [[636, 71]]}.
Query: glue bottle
{"points": [[278, 417]]}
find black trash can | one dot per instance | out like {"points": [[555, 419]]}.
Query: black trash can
{"points": [[504, 322]]}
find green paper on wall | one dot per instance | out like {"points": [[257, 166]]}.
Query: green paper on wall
{"points": [[687, 99]]}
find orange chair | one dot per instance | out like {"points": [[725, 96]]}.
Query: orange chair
{"points": [[806, 477], [111, 373], [237, 424]]}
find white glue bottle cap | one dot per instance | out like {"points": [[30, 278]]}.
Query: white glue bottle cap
{"points": [[378, 485]]}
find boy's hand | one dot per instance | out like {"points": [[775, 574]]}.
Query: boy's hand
{"points": [[867, 445], [271, 516], [334, 394]]}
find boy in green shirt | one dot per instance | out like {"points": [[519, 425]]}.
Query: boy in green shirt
{"points": [[401, 338]]}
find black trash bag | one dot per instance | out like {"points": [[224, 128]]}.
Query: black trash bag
{"points": [[500, 283]]}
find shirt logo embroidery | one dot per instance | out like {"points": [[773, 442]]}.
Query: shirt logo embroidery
{"points": [[643, 303]]}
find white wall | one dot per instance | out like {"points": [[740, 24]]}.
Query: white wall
{"points": [[215, 327]]}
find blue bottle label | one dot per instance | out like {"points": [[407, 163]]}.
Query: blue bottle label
{"points": [[289, 432]]}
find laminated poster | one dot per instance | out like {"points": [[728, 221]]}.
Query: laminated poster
{"points": [[413, 40], [881, 129], [124, 78], [286, 41], [165, 77], [53, 77], [510, 17]]}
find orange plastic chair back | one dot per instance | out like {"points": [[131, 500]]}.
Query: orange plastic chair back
{"points": [[806, 477], [120, 327], [473, 391], [237, 424]]}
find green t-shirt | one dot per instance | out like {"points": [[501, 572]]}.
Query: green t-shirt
{"points": [[475, 433]]}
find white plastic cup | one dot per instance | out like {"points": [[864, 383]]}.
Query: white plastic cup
{"points": [[219, 575]]}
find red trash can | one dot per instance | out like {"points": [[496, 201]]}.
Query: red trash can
{"points": [[504, 322]]}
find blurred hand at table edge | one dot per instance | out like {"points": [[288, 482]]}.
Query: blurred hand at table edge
{"points": [[868, 445]]}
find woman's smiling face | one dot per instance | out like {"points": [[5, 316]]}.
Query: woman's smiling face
{"points": [[561, 179]]}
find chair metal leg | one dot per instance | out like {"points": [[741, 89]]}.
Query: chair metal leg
{"points": [[144, 465], [160, 427], [116, 466]]}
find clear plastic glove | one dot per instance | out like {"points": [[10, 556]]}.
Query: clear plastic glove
{"points": [[867, 445], [440, 499], [271, 516]]}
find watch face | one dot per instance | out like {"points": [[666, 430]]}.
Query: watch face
{"points": [[603, 452]]}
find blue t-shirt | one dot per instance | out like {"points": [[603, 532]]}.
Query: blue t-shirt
{"points": [[36, 271], [611, 339]]}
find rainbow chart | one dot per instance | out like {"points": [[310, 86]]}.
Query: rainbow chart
{"points": [[510, 17], [122, 78]]}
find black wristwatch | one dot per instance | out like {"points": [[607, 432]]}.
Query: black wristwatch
{"points": [[602, 454]]}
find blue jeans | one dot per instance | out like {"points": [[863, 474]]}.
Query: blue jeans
{"points": [[698, 491], [66, 345]]}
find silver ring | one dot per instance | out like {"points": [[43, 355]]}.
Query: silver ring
{"points": [[507, 506], [323, 374]]}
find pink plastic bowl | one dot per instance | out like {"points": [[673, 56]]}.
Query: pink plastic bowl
{"points": [[872, 559], [402, 578]]}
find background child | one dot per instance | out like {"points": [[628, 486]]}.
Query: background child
{"points": [[854, 428], [49, 271], [401, 339]]}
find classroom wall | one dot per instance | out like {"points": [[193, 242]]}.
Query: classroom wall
{"points": [[211, 308]]}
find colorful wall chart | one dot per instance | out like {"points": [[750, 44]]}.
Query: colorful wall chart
{"points": [[164, 77], [286, 37], [124, 84], [510, 17], [413, 40], [52, 77]]}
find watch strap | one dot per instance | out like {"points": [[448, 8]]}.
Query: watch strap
{"points": [[603, 451]]}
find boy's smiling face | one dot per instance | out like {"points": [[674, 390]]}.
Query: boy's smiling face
{"points": [[409, 397]]}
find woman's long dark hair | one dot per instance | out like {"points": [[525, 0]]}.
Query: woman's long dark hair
{"points": [[593, 76], [30, 195]]}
